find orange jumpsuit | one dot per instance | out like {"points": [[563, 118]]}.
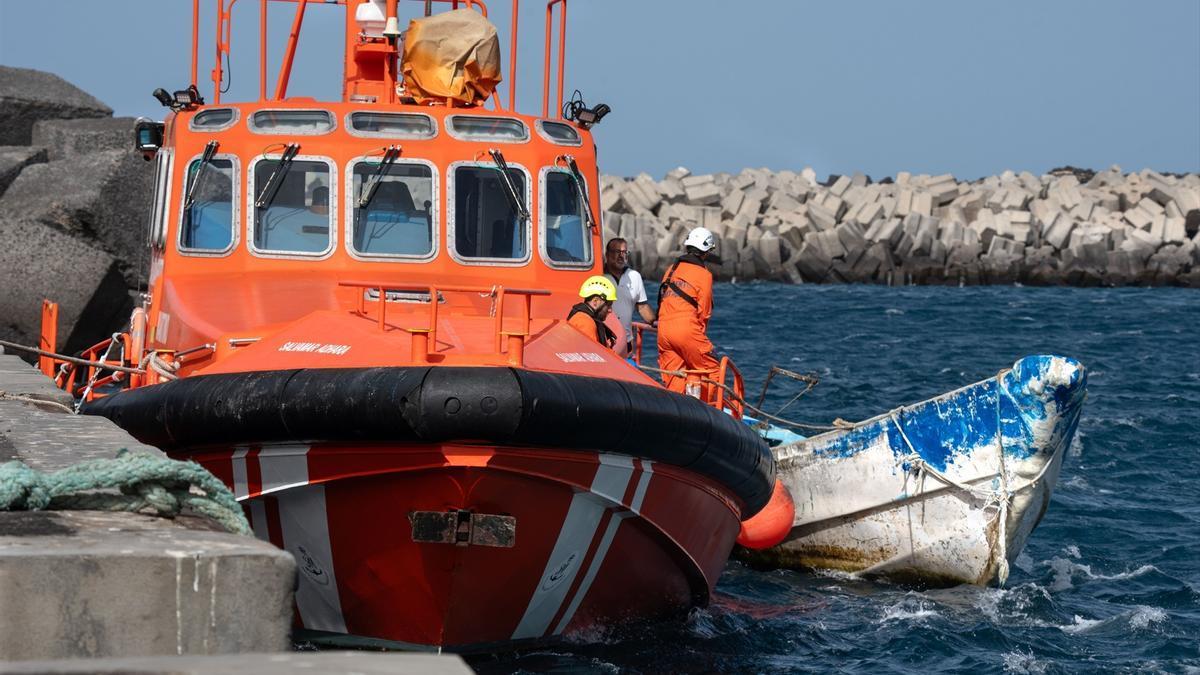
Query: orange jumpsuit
{"points": [[585, 322], [682, 344]]}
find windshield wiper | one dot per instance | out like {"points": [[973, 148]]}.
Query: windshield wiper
{"points": [[581, 190], [285, 163], [513, 196], [367, 192], [209, 151]]}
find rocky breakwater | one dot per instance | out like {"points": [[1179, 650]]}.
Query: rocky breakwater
{"points": [[74, 204], [1069, 227]]}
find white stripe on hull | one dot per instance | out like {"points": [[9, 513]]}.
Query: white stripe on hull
{"points": [[610, 533], [241, 484], [304, 528], [288, 467], [578, 529]]}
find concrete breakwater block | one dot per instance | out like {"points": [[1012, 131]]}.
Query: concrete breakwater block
{"points": [[71, 138], [102, 198], [15, 158], [333, 663], [94, 584], [38, 261], [1049, 229], [27, 96]]}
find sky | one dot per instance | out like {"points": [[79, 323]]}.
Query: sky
{"points": [[874, 86]]}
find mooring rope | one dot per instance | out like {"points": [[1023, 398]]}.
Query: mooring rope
{"points": [[146, 482], [4, 395], [839, 423], [70, 359]]}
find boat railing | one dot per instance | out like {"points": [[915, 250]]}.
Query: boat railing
{"points": [[423, 337], [730, 396], [708, 385], [94, 383], [639, 329]]}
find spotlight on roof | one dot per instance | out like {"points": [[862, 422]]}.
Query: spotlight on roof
{"points": [[586, 117]]}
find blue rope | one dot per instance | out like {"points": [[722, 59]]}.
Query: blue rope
{"points": [[144, 480]]}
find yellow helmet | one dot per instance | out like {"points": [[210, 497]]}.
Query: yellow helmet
{"points": [[598, 285]]}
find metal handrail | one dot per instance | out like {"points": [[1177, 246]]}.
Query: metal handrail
{"points": [[422, 338]]}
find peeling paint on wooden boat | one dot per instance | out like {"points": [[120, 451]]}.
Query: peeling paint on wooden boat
{"points": [[943, 491]]}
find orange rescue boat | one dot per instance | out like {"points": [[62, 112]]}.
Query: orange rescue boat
{"points": [[356, 318]]}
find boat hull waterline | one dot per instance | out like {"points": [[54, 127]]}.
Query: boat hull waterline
{"points": [[945, 491]]}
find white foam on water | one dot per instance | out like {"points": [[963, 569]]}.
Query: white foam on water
{"points": [[1075, 449], [1008, 606], [1077, 483], [840, 575], [893, 311], [1072, 550], [1064, 572], [1024, 562], [1020, 662], [1081, 625], [1145, 616], [1125, 575], [908, 609]]}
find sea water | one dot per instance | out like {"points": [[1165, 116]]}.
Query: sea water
{"points": [[1110, 580]]}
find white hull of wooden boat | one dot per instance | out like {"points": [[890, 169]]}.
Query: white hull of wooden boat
{"points": [[944, 491]]}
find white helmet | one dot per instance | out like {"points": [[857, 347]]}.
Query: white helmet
{"points": [[701, 239]]}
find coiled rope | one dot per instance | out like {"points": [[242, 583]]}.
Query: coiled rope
{"points": [[146, 482]]}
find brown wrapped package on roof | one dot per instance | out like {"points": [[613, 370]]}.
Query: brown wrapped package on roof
{"points": [[453, 55]]}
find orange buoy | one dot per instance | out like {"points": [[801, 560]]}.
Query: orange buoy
{"points": [[769, 526]]}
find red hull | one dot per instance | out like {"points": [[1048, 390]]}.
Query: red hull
{"points": [[599, 538]]}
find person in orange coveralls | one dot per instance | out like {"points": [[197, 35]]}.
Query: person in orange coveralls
{"points": [[587, 317], [684, 308]]}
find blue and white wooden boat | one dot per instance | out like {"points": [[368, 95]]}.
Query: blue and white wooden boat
{"points": [[944, 491]]}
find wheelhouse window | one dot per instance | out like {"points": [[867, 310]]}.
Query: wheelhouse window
{"points": [[163, 162], [291, 122], [207, 218], [392, 209], [487, 222], [392, 125], [501, 129], [213, 119], [294, 215], [566, 237], [557, 132]]}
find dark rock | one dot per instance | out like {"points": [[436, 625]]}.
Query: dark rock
{"points": [[14, 158], [1084, 175], [102, 198], [68, 138], [40, 262], [27, 96]]}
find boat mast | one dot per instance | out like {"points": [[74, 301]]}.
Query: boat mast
{"points": [[371, 62]]}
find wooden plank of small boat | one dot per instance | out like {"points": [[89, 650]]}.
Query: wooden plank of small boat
{"points": [[944, 491]]}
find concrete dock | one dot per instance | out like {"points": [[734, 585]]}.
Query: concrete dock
{"points": [[92, 591]]}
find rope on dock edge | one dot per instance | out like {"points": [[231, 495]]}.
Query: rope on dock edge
{"points": [[146, 482]]}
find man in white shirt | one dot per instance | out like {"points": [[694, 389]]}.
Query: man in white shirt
{"points": [[631, 293]]}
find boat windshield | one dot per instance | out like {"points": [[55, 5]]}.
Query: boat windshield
{"points": [[296, 218], [397, 218], [487, 223], [567, 235], [208, 214]]}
